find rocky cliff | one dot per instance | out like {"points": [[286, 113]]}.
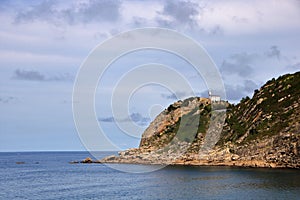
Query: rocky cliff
{"points": [[262, 131]]}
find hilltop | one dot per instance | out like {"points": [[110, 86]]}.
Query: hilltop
{"points": [[262, 131]]}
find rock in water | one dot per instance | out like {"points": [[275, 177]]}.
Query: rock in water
{"points": [[87, 160]]}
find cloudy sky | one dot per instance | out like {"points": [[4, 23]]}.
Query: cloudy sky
{"points": [[44, 43]]}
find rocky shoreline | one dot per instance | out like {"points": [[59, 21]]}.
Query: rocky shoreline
{"points": [[199, 162], [271, 154], [276, 156]]}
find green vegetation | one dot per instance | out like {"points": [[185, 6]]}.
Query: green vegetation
{"points": [[267, 113], [192, 123]]}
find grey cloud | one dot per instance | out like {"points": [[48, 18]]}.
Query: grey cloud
{"points": [[165, 23], [181, 12], [135, 117], [241, 69], [139, 21], [169, 96], [9, 99], [240, 64], [45, 11], [94, 11], [28, 75], [273, 52], [236, 92], [91, 11], [32, 75], [106, 119], [139, 119]]}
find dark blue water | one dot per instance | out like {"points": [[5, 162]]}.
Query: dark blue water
{"points": [[48, 175]]}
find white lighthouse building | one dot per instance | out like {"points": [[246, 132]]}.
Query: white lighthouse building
{"points": [[214, 98]]}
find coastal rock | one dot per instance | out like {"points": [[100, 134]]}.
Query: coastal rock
{"points": [[87, 160], [262, 131]]}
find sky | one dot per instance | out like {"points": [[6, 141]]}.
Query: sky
{"points": [[44, 43]]}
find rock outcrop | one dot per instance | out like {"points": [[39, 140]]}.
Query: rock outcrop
{"points": [[262, 131]]}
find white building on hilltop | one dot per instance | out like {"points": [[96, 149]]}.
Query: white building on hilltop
{"points": [[214, 98]]}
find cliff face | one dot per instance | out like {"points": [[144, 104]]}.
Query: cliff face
{"points": [[266, 128], [263, 131]]}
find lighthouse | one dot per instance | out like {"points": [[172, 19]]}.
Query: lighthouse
{"points": [[214, 98]]}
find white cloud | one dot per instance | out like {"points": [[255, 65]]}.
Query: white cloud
{"points": [[251, 17]]}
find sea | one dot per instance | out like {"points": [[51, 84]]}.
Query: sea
{"points": [[49, 175]]}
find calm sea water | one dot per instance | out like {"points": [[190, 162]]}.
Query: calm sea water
{"points": [[48, 175]]}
